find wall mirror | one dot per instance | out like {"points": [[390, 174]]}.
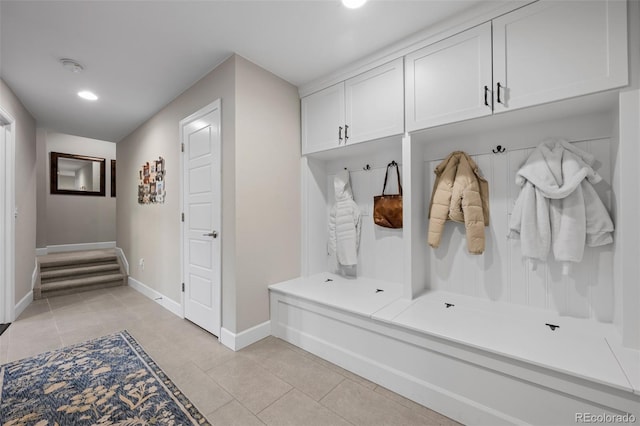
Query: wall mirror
{"points": [[77, 174]]}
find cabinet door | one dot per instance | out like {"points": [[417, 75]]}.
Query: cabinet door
{"points": [[445, 81], [375, 103], [322, 118], [553, 50]]}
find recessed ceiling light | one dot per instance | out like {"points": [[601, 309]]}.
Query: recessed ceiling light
{"points": [[71, 65], [90, 96], [353, 4]]}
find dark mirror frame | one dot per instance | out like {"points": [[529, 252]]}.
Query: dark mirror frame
{"points": [[113, 178], [53, 174]]}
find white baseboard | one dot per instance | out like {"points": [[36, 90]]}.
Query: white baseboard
{"points": [[23, 303], [245, 338], [41, 251], [76, 247], [34, 275], [170, 305], [123, 258]]}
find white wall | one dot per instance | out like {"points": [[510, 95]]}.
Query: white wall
{"points": [[260, 190], [267, 188], [74, 219], [152, 231], [25, 189]]}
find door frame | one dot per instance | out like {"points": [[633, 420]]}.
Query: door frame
{"points": [[7, 221], [213, 106]]}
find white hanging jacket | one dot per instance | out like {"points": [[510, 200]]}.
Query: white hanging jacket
{"points": [[557, 207], [344, 222]]}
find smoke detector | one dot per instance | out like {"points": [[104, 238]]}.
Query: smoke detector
{"points": [[71, 65]]}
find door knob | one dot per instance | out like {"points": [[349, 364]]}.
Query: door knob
{"points": [[213, 234]]}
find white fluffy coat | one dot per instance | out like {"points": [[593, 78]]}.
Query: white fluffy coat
{"points": [[557, 207]]}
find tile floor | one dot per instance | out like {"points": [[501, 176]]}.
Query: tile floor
{"points": [[270, 382]]}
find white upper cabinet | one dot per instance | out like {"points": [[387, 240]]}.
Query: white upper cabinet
{"points": [[542, 52], [366, 107], [323, 119], [375, 103], [450, 80], [553, 50]]}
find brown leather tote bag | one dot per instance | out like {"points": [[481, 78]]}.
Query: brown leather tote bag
{"points": [[387, 209]]}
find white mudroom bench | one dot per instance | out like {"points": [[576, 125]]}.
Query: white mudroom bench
{"points": [[476, 361]]}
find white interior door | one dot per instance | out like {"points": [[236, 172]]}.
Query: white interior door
{"points": [[201, 136]]}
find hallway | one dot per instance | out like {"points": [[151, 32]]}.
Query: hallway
{"points": [[270, 382]]}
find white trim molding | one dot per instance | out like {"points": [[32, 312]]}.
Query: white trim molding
{"points": [[34, 275], [123, 259], [23, 303], [76, 247], [162, 300], [237, 341], [7, 218]]}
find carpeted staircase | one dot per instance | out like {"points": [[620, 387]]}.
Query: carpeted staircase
{"points": [[72, 272]]}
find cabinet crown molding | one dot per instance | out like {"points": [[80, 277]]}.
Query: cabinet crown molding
{"points": [[470, 18]]}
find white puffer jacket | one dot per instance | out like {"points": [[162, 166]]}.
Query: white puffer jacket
{"points": [[344, 223]]}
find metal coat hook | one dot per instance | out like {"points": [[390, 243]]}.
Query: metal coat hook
{"points": [[499, 149], [366, 168]]}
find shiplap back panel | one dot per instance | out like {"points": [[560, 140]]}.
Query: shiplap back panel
{"points": [[501, 274], [380, 254]]}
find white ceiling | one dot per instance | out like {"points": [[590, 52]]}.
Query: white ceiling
{"points": [[139, 55]]}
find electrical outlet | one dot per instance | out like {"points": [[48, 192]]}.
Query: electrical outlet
{"points": [[141, 263]]}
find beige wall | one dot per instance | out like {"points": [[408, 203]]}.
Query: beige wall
{"points": [[74, 219], [260, 190], [25, 189], [267, 188], [152, 231]]}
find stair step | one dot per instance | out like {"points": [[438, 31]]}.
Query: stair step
{"points": [[78, 271], [82, 271], [49, 264], [80, 283]]}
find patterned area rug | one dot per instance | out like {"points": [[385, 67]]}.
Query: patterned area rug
{"points": [[106, 381]]}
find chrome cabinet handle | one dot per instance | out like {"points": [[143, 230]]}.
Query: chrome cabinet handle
{"points": [[346, 134], [486, 93], [213, 234], [339, 134]]}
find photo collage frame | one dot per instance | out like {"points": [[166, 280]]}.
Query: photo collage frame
{"points": [[151, 188]]}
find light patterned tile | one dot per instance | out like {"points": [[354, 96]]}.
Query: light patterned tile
{"points": [[433, 415], [233, 414], [253, 386], [346, 373], [363, 406], [200, 388], [65, 302], [302, 373], [68, 320], [38, 310], [297, 409], [26, 348], [82, 334], [33, 329]]}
